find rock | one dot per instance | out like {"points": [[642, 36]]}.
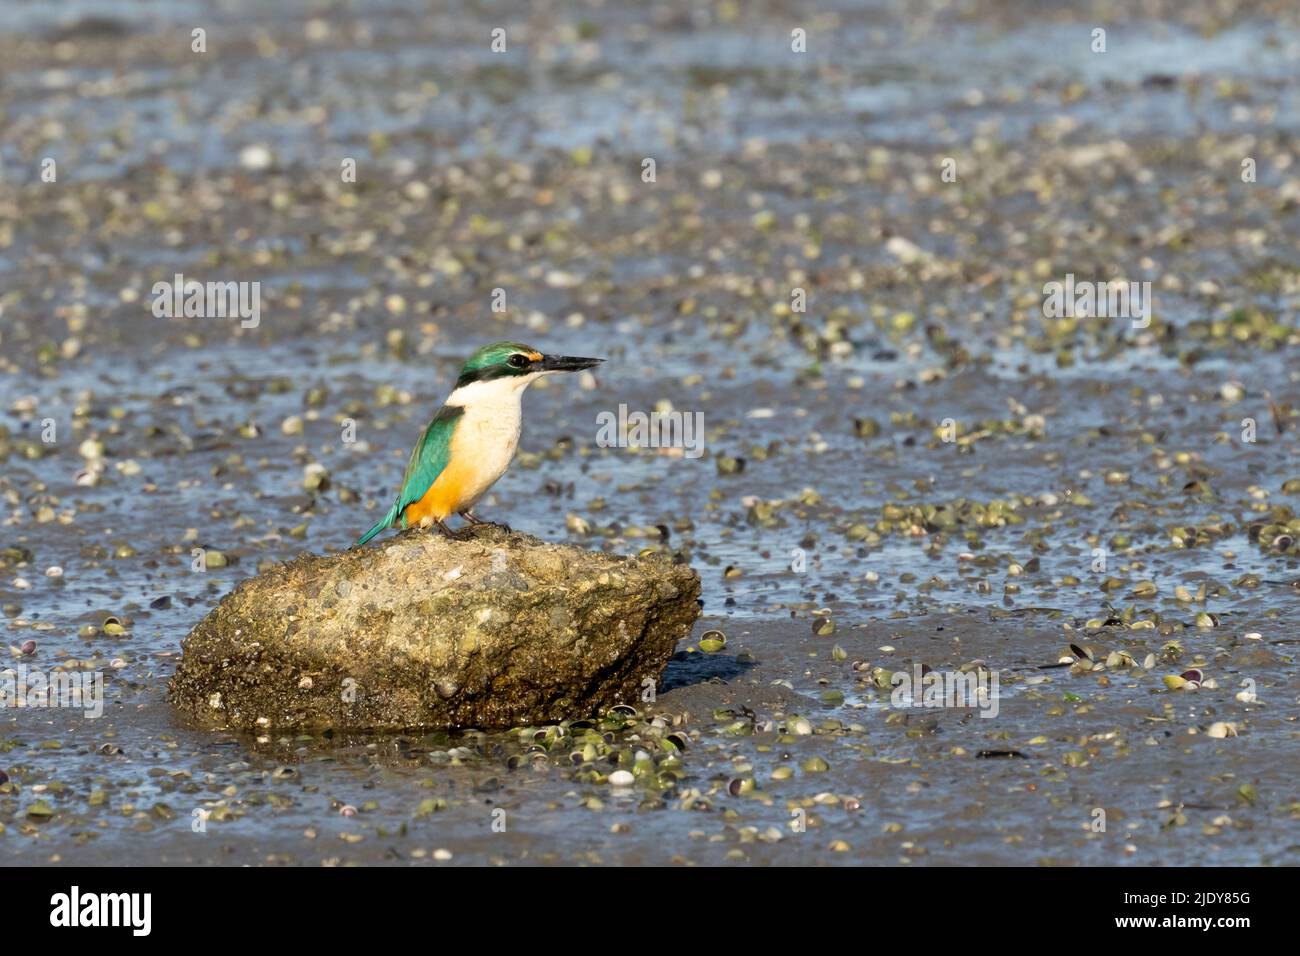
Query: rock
{"points": [[424, 632]]}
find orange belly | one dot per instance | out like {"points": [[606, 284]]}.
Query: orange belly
{"points": [[444, 497]]}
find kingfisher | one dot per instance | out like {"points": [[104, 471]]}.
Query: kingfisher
{"points": [[472, 439]]}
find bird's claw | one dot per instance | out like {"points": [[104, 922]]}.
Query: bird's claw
{"points": [[460, 534], [477, 522]]}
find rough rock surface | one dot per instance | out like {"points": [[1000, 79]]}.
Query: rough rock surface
{"points": [[424, 632]]}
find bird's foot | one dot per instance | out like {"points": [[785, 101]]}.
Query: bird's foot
{"points": [[477, 522], [461, 534]]}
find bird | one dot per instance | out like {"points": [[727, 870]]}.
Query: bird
{"points": [[472, 438]]}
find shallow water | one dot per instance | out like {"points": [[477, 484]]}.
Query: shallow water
{"points": [[774, 172]]}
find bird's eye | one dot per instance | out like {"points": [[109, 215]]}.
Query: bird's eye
{"points": [[518, 361]]}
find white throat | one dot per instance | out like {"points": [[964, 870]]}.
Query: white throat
{"points": [[493, 393]]}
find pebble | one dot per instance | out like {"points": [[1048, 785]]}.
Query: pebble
{"points": [[255, 157]]}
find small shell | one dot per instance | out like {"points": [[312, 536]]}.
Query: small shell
{"points": [[740, 786]]}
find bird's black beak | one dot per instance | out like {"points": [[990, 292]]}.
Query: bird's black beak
{"points": [[567, 363]]}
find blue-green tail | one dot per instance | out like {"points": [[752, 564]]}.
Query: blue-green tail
{"points": [[382, 524]]}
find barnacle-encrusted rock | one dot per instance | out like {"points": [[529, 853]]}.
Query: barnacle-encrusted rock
{"points": [[426, 632]]}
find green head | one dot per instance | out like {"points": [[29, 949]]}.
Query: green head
{"points": [[513, 360]]}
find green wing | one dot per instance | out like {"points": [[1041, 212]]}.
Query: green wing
{"points": [[428, 458]]}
